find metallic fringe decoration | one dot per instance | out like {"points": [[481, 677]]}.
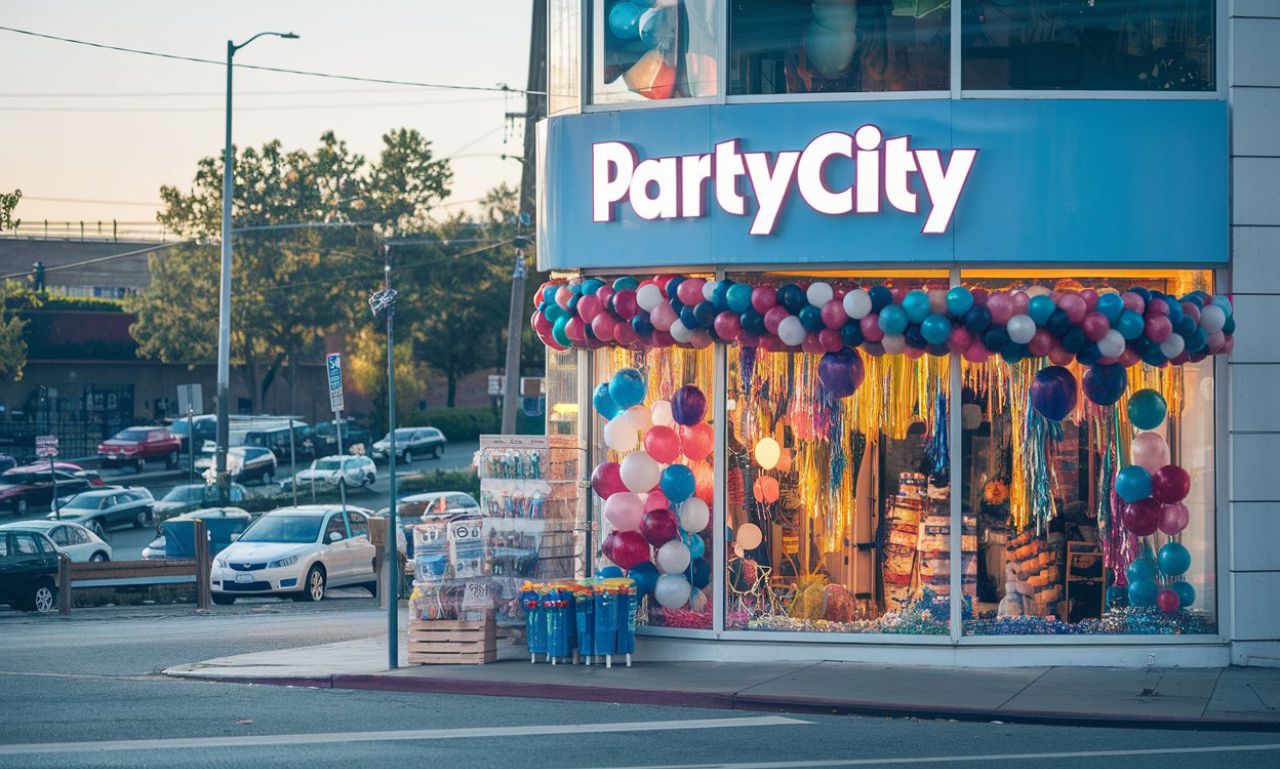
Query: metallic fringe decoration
{"points": [[939, 453]]}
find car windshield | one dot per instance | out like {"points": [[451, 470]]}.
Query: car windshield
{"points": [[83, 502], [131, 435], [402, 434], [326, 464], [17, 477], [184, 494], [283, 528]]}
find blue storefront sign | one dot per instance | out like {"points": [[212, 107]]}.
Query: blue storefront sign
{"points": [[907, 181]]}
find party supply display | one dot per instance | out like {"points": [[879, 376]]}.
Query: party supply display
{"points": [[581, 620]]}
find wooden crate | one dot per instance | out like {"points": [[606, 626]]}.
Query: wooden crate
{"points": [[452, 642]]}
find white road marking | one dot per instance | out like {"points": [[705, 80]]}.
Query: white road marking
{"points": [[408, 734], [901, 760]]}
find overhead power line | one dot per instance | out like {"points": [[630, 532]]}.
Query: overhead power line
{"points": [[263, 68], [96, 260], [261, 107], [93, 201]]}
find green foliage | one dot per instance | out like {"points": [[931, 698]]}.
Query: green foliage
{"points": [[441, 480], [13, 346], [23, 297], [8, 202], [469, 423]]}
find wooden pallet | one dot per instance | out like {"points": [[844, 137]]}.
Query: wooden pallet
{"points": [[452, 642]]}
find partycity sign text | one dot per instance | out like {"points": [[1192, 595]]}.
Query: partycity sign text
{"points": [[675, 187]]}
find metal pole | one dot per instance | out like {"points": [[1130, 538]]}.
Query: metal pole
{"points": [[53, 476], [342, 469], [515, 329], [191, 444], [393, 545], [224, 301], [293, 465]]}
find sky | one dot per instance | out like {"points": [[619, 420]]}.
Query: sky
{"points": [[94, 125]]}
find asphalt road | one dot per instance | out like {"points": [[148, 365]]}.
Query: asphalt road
{"points": [[84, 692]]}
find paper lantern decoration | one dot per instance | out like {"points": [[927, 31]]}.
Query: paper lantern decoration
{"points": [[749, 536], [768, 452]]}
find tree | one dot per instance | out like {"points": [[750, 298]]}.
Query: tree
{"points": [[291, 283], [367, 358], [13, 348], [8, 202]]}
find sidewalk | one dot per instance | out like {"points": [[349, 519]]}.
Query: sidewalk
{"points": [[1197, 698]]}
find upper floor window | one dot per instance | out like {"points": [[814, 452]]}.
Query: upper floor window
{"points": [[1088, 45], [647, 49], [839, 46]]}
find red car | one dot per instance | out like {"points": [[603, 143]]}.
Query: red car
{"points": [[134, 446]]}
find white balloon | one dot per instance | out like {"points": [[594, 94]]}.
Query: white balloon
{"points": [[649, 296], [672, 591], [673, 557], [694, 515], [1212, 318], [680, 332], [894, 344], [620, 434], [639, 418], [749, 536], [698, 600], [662, 415], [768, 452], [639, 472], [1111, 345], [1021, 328], [857, 304], [819, 293], [1173, 346], [1038, 290], [790, 331], [709, 289]]}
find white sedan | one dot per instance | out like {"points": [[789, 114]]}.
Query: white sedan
{"points": [[329, 472], [297, 552], [71, 538]]}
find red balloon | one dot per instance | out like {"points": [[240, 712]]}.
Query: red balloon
{"points": [[659, 527], [625, 548], [588, 307], [1129, 357], [625, 335], [540, 323], [766, 489], [663, 338], [1021, 301], [603, 326], [656, 500], [833, 314], [1170, 484], [576, 330], [830, 340], [1059, 355], [1090, 298], [1168, 601], [1095, 326], [624, 303], [695, 441], [606, 479], [976, 352], [728, 326], [1142, 517], [703, 481], [811, 344], [662, 443], [1041, 343], [775, 315], [689, 291], [959, 339], [764, 298], [870, 325]]}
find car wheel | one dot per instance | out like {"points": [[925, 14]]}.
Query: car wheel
{"points": [[139, 465], [171, 461], [44, 597], [222, 599], [369, 480], [407, 457], [99, 557], [313, 588], [438, 452]]}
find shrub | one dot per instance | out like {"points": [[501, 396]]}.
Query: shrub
{"points": [[442, 480], [465, 424]]}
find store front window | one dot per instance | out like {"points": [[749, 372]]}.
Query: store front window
{"points": [[1097, 45], [839, 46], [564, 45], [1094, 503], [659, 51], [837, 506]]}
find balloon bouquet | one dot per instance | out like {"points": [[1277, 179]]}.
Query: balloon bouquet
{"points": [[657, 505]]}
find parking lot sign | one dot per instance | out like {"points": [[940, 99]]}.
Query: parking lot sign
{"points": [[333, 365], [46, 446]]}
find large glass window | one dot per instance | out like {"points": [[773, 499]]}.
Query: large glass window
{"points": [[838, 500], [1092, 486], [564, 48], [661, 50], [829, 46], [1097, 45]]}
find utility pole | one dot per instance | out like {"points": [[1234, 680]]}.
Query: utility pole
{"points": [[515, 331], [379, 301]]}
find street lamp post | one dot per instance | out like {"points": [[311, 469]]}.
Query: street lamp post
{"points": [[385, 300], [224, 297]]}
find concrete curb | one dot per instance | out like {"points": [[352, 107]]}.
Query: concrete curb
{"points": [[736, 701]]}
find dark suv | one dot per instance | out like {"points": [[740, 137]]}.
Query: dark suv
{"points": [[28, 569], [30, 487], [325, 436], [277, 439]]}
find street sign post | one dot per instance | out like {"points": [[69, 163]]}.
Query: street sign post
{"points": [[333, 367], [47, 448], [190, 398]]}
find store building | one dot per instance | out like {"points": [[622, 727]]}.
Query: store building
{"points": [[960, 284]]}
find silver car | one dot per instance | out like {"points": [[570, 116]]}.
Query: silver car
{"points": [[103, 509]]}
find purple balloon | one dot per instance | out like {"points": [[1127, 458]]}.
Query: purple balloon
{"points": [[1053, 393], [688, 406], [841, 372]]}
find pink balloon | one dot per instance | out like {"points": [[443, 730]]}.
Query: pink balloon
{"points": [[656, 500], [1133, 302], [938, 301], [746, 339], [1150, 451], [976, 352], [1158, 327], [1073, 306], [1001, 307], [830, 340], [728, 326], [696, 440], [980, 296], [1020, 302], [771, 343], [1041, 343], [1157, 308], [1228, 345], [1174, 518], [662, 443], [959, 339], [870, 325], [563, 295], [1129, 357], [913, 353], [576, 330], [540, 323], [624, 303], [1095, 326], [662, 338], [604, 294], [606, 480], [763, 298], [897, 292], [624, 511], [812, 344], [1090, 298], [833, 314], [1215, 342], [625, 335], [690, 291], [588, 307], [774, 316], [603, 326], [663, 316], [700, 339]]}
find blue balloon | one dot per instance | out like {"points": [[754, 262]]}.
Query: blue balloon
{"points": [[1117, 596], [1110, 305], [959, 301], [624, 21], [935, 329], [1147, 409], [1104, 384], [1040, 308], [916, 305], [591, 285], [977, 319], [720, 295], [642, 324], [793, 298], [549, 294], [695, 544], [677, 483], [893, 320], [1053, 393], [1133, 483], [645, 575], [560, 331], [626, 281], [1129, 324], [1142, 569], [699, 573], [603, 402], [1186, 593], [995, 338], [811, 318], [752, 322], [1143, 594], [689, 317], [851, 333], [609, 572], [739, 297], [705, 313], [627, 388], [881, 297], [1174, 559]]}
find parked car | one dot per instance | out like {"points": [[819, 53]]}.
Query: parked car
{"points": [[277, 439], [7, 462], [193, 496], [28, 571], [78, 542], [418, 507], [103, 509], [205, 427], [135, 446], [91, 476], [156, 548], [325, 435], [411, 442], [297, 552], [32, 486], [244, 464], [329, 472]]}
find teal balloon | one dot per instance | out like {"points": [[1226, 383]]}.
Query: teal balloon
{"points": [[1141, 570], [935, 329], [645, 575], [677, 483], [1133, 483], [626, 281], [739, 297], [624, 21], [916, 305], [959, 301], [603, 401], [893, 320], [1174, 559], [1147, 409], [1130, 325], [1040, 308], [627, 388], [560, 331], [554, 312], [1110, 305], [1143, 593], [1117, 596], [609, 572], [591, 285], [1186, 593], [697, 547]]}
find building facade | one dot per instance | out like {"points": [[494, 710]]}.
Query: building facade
{"points": [[933, 307]]}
